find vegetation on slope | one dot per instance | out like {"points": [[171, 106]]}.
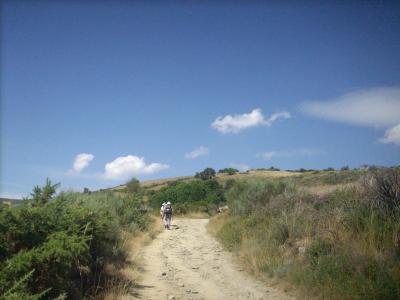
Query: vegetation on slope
{"points": [[330, 177], [341, 245], [59, 246], [190, 196]]}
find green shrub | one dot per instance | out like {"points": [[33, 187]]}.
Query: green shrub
{"points": [[195, 195], [229, 171], [250, 196], [60, 246], [329, 177], [279, 232], [317, 250], [133, 186], [206, 174], [231, 233], [228, 184]]}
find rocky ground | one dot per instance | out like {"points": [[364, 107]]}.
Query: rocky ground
{"points": [[186, 262]]}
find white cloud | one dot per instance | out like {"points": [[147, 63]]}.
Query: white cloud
{"points": [[276, 116], [373, 107], [268, 155], [290, 153], [392, 135], [128, 166], [200, 151], [236, 123], [377, 107], [240, 167], [82, 161]]}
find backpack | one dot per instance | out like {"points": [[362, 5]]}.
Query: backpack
{"points": [[168, 209]]}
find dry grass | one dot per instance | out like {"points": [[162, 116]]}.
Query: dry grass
{"points": [[122, 281], [217, 222], [324, 189], [256, 174], [154, 184], [260, 174], [329, 244], [162, 181], [250, 256]]}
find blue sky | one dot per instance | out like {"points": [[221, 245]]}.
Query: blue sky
{"points": [[95, 92]]}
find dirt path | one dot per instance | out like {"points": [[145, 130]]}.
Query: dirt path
{"points": [[186, 262]]}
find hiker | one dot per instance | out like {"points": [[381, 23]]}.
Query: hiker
{"points": [[162, 210], [167, 215]]}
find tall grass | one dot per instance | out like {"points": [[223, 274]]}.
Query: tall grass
{"points": [[344, 245], [329, 177]]}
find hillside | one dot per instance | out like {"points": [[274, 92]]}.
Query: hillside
{"points": [[315, 181], [156, 184], [310, 234]]}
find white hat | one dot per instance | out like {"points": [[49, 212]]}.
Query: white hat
{"points": [[169, 203]]}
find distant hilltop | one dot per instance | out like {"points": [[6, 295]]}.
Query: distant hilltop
{"points": [[8, 201], [156, 184]]}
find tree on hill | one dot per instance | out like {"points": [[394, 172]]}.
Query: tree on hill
{"points": [[329, 169], [206, 174], [229, 171], [42, 195], [133, 185], [272, 168]]}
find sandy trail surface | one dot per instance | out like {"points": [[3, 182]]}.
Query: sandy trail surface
{"points": [[186, 262]]}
